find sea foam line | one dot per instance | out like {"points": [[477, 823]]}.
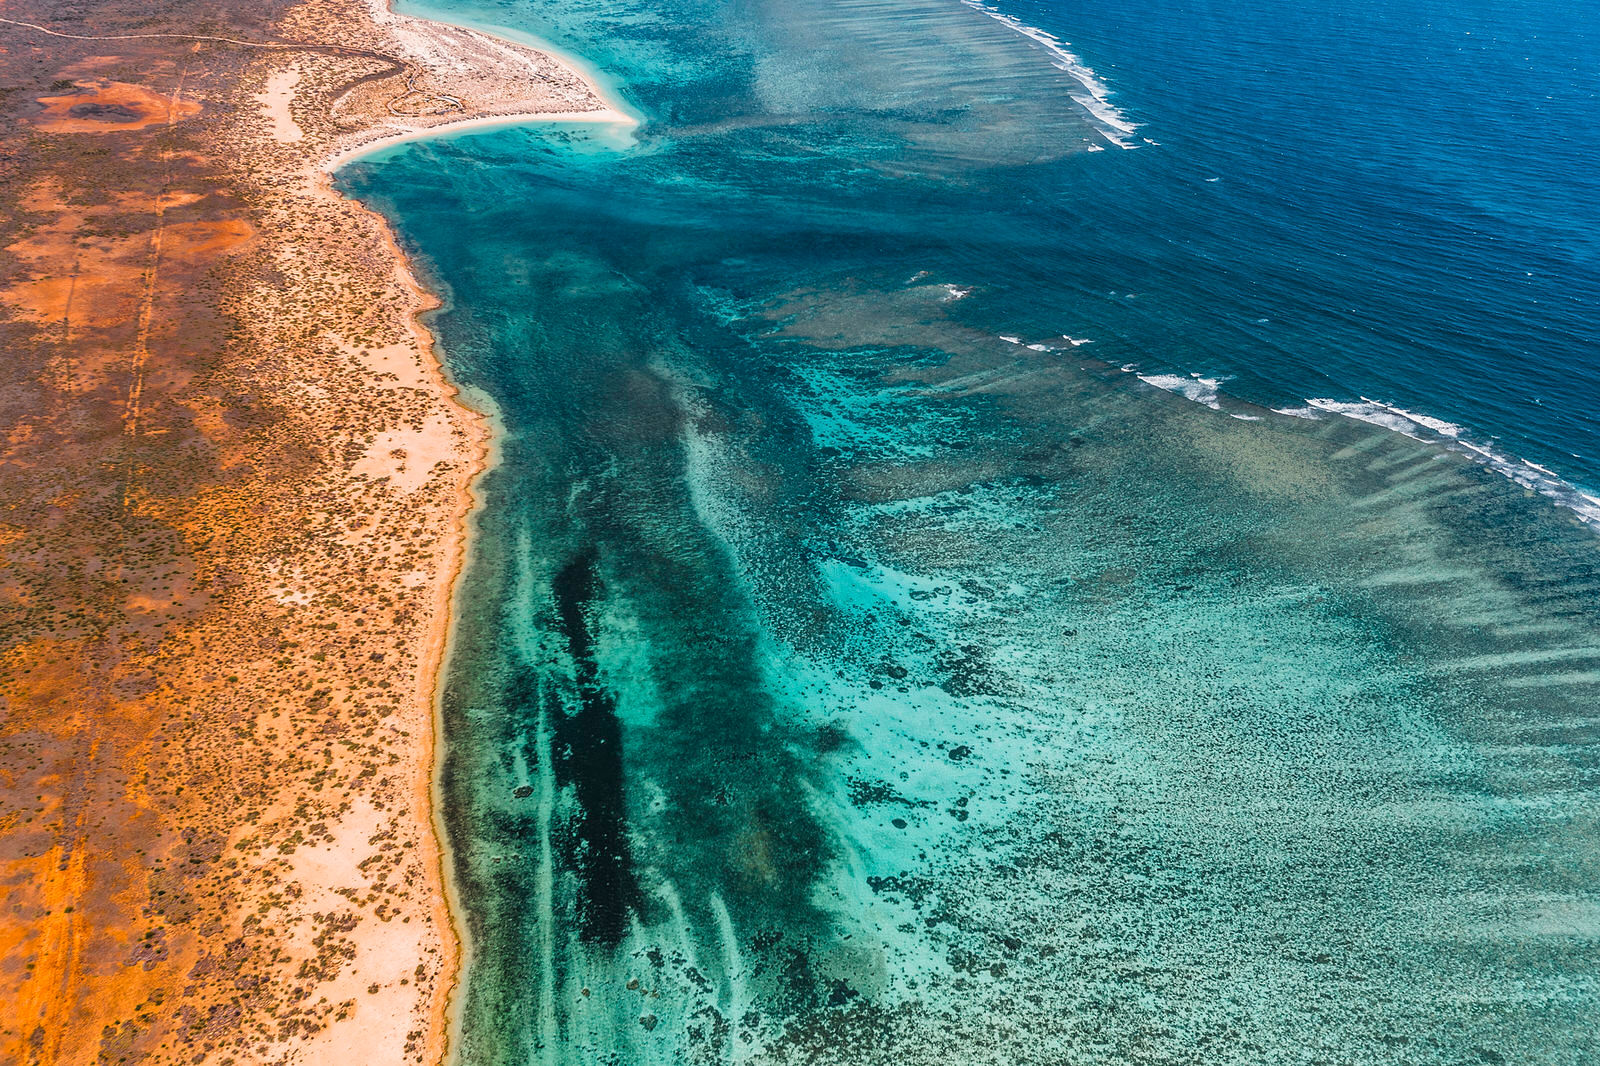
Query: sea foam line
{"points": [[1426, 428], [1114, 126], [1036, 347], [1417, 426], [1202, 390]]}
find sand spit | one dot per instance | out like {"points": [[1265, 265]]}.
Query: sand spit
{"points": [[236, 485]]}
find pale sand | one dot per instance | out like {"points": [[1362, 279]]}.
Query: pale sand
{"points": [[276, 99], [517, 92], [408, 457], [601, 117], [317, 524]]}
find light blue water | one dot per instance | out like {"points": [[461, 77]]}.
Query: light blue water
{"points": [[852, 668]]}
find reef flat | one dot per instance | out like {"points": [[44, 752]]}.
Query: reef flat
{"points": [[901, 625]]}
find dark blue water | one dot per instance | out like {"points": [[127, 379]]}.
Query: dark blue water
{"points": [[1394, 201], [943, 595]]}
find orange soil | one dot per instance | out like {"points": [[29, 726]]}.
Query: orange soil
{"points": [[232, 493], [111, 107]]}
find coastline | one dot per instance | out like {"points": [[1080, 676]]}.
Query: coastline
{"points": [[434, 653], [897, 629], [220, 687], [603, 117], [431, 653], [462, 947]]}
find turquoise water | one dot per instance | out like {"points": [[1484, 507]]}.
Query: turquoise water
{"points": [[852, 668]]}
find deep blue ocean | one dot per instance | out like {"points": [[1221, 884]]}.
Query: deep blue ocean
{"points": [[1391, 202], [1031, 533]]}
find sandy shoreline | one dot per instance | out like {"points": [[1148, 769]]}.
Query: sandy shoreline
{"points": [[604, 117], [431, 654], [241, 484], [444, 1019]]}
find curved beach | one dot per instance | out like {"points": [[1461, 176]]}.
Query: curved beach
{"points": [[503, 107], [1001, 532], [296, 469]]}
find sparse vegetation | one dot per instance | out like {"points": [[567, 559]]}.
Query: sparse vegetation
{"points": [[233, 485]]}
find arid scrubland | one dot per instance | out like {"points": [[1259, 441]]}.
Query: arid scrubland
{"points": [[231, 505]]}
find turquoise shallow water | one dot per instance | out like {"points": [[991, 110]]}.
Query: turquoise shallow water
{"points": [[850, 669]]}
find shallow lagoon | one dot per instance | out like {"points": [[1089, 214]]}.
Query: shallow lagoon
{"points": [[849, 669]]}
